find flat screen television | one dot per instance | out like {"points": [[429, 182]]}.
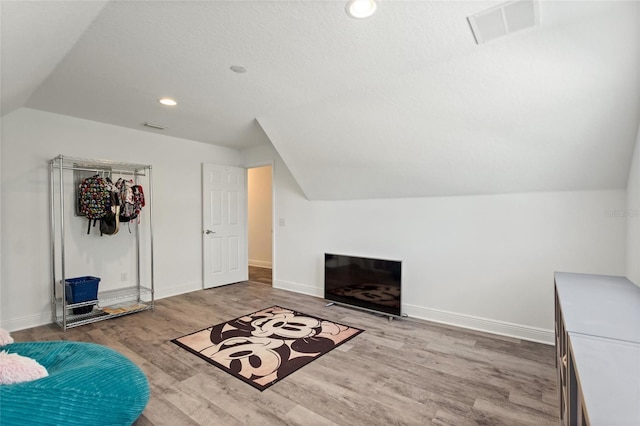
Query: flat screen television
{"points": [[371, 284]]}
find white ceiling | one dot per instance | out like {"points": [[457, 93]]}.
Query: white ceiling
{"points": [[402, 104]]}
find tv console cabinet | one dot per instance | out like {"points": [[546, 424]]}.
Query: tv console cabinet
{"points": [[597, 328]]}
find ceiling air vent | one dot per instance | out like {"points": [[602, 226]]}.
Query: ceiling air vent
{"points": [[155, 126], [504, 19]]}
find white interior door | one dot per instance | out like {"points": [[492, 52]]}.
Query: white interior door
{"points": [[224, 233]]}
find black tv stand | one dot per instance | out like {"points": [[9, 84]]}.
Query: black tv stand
{"points": [[376, 313]]}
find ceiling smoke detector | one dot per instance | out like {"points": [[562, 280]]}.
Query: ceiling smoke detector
{"points": [[238, 69], [504, 19]]}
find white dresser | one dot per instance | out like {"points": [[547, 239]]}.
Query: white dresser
{"points": [[597, 349]]}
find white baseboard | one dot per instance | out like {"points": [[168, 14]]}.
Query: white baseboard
{"points": [[486, 325], [44, 318], [28, 321], [260, 263], [502, 328], [177, 290], [533, 334], [299, 288]]}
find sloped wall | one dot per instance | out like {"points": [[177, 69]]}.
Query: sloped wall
{"points": [[483, 262], [29, 139]]}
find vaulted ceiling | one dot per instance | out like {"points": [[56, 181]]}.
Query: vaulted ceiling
{"points": [[401, 104]]}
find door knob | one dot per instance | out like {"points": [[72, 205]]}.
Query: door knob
{"points": [[209, 231]]}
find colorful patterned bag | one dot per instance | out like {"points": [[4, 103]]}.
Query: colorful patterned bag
{"points": [[131, 200], [127, 207], [95, 199], [138, 200]]}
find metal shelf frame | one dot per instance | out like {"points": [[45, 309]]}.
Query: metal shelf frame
{"points": [[59, 307]]}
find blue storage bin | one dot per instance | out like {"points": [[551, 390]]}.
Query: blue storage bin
{"points": [[81, 289]]}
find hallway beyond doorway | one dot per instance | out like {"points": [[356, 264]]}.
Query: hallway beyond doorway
{"points": [[260, 275]]}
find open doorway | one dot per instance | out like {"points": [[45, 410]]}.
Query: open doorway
{"points": [[260, 223]]}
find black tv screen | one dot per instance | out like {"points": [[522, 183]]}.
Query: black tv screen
{"points": [[372, 284]]}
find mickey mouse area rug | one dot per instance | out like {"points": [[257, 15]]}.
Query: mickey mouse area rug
{"points": [[263, 347]]}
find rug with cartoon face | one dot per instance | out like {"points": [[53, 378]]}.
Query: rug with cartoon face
{"points": [[263, 347]]}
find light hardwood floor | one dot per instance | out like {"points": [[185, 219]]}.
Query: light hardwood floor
{"points": [[261, 275], [404, 372]]}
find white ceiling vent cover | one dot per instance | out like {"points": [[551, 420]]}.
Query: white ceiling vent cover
{"points": [[504, 19], [155, 126]]}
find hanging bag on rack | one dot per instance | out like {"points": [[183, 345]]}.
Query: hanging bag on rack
{"points": [[94, 199], [131, 200], [110, 223], [138, 200], [98, 200], [127, 206]]}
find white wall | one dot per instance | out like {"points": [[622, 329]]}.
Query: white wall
{"points": [[633, 216], [260, 205], [29, 139], [482, 262]]}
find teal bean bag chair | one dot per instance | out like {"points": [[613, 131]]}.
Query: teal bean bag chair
{"points": [[88, 384]]}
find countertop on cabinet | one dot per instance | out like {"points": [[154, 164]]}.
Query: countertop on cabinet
{"points": [[600, 305], [609, 375]]}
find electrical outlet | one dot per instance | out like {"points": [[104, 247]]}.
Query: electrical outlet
{"points": [[123, 276]]}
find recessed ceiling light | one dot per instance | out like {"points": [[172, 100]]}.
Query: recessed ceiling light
{"points": [[238, 69], [360, 9], [168, 102]]}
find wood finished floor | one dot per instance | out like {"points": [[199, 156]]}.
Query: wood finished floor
{"points": [[261, 275], [404, 372]]}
